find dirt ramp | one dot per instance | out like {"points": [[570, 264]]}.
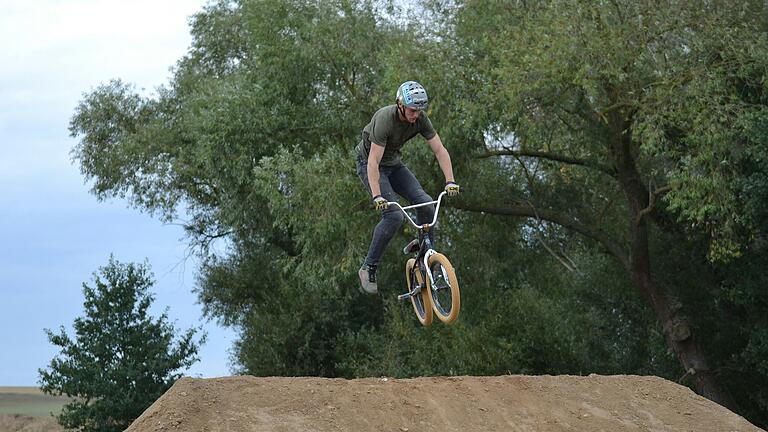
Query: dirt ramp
{"points": [[461, 404]]}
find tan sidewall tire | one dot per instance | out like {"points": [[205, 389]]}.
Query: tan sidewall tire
{"points": [[425, 298], [455, 296]]}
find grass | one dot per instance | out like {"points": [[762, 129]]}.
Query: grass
{"points": [[29, 401]]}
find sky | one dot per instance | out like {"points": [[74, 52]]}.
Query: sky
{"points": [[54, 234]]}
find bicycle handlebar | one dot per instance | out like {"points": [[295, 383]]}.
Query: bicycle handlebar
{"points": [[415, 225]]}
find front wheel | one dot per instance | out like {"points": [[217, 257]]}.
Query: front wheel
{"points": [[444, 293], [422, 304]]}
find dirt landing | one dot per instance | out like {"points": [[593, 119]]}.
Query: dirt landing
{"points": [[506, 403]]}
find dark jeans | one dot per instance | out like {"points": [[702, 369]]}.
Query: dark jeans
{"points": [[393, 181]]}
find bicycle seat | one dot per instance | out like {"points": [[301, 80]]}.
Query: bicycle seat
{"points": [[411, 247]]}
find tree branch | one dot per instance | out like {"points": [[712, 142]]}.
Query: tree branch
{"points": [[652, 194], [614, 107], [572, 267], [551, 156], [527, 210]]}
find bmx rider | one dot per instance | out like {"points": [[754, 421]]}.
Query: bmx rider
{"points": [[381, 170]]}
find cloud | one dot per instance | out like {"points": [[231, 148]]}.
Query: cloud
{"points": [[54, 51]]}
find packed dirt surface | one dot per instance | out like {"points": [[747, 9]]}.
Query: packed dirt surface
{"points": [[20, 423], [505, 403]]}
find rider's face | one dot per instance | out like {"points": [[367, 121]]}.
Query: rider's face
{"points": [[411, 115]]}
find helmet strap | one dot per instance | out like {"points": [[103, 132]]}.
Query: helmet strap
{"points": [[401, 110]]}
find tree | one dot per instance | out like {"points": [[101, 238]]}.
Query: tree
{"points": [[120, 359], [264, 78], [622, 140], [654, 109]]}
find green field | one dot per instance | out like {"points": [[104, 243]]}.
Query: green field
{"points": [[29, 401]]}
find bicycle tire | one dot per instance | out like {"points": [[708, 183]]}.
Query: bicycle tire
{"points": [[446, 300], [422, 302]]}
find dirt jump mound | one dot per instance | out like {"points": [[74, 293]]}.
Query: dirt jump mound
{"points": [[505, 403]]}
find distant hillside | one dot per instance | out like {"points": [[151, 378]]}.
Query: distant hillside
{"points": [[29, 401], [20, 423], [27, 409]]}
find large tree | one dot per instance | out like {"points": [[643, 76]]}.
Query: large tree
{"points": [[608, 119], [263, 78], [658, 109]]}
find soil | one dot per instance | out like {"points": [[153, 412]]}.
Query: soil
{"points": [[504, 403]]}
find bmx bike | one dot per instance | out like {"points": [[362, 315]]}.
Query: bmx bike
{"points": [[430, 277]]}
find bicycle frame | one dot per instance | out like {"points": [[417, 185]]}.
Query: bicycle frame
{"points": [[425, 245]]}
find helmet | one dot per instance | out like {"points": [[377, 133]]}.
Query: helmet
{"points": [[412, 95]]}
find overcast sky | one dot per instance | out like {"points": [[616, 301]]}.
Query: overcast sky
{"points": [[53, 232]]}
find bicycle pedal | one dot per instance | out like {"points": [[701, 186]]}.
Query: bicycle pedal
{"points": [[405, 296]]}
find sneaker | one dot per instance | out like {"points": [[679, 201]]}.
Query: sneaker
{"points": [[367, 275], [412, 247]]}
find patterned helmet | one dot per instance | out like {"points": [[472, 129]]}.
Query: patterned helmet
{"points": [[412, 95]]}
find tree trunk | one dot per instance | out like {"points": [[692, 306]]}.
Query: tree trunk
{"points": [[635, 258], [681, 340], [677, 330]]}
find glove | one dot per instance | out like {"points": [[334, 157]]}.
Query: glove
{"points": [[380, 203], [452, 189]]}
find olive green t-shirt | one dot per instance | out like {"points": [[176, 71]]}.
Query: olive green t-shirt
{"points": [[386, 129]]}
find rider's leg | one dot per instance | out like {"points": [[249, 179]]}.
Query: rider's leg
{"points": [[391, 219], [406, 185]]}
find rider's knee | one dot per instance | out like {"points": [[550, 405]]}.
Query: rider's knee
{"points": [[422, 197], [427, 212], [393, 216]]}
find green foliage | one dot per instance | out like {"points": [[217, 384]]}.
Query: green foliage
{"points": [[688, 79], [527, 316], [682, 86], [252, 139], [738, 326], [120, 359]]}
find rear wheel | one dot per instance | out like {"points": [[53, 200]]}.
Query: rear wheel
{"points": [[422, 304], [444, 293]]}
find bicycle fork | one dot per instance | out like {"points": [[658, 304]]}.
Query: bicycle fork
{"points": [[417, 287]]}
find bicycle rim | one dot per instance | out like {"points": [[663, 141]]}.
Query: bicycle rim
{"points": [[444, 293], [422, 306]]}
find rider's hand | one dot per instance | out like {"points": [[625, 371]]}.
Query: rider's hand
{"points": [[380, 203], [452, 189]]}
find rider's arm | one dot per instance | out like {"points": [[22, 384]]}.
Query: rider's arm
{"points": [[443, 158], [374, 157]]}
